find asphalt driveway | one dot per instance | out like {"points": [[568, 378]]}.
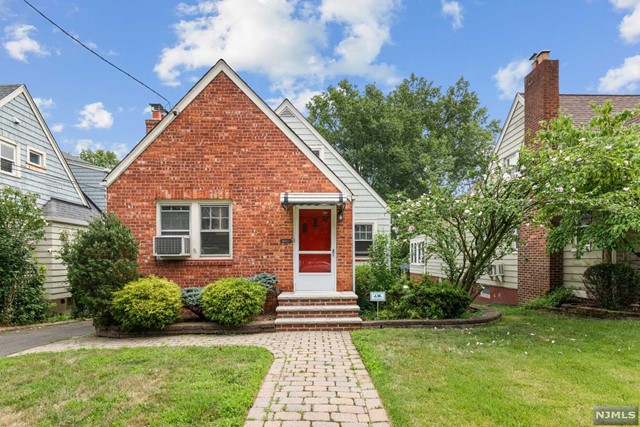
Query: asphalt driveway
{"points": [[24, 339]]}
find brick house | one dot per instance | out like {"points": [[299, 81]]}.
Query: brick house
{"points": [[529, 272], [221, 186]]}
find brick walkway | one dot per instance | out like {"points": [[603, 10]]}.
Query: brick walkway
{"points": [[317, 378]]}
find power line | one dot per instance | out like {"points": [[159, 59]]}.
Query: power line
{"points": [[167, 105]]}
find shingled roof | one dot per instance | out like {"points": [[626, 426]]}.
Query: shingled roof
{"points": [[7, 89], [579, 106]]}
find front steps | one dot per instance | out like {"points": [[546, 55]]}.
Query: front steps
{"points": [[317, 311]]}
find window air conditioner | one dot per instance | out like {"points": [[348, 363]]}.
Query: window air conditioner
{"points": [[171, 246]]}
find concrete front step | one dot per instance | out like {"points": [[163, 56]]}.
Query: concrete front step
{"points": [[317, 324]]}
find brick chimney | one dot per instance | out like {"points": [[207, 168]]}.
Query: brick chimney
{"points": [[157, 113], [538, 271]]}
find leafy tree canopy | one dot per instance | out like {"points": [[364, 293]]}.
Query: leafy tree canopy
{"points": [[104, 158], [591, 176], [416, 135]]}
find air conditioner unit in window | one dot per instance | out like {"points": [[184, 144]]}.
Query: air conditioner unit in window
{"points": [[171, 246], [496, 272]]}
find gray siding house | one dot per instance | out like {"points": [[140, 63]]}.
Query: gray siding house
{"points": [[90, 178], [370, 214], [31, 161]]}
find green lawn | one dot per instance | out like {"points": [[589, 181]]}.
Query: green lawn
{"points": [[166, 386], [533, 368]]}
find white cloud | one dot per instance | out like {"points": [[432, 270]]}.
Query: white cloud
{"points": [[57, 127], [624, 78], [630, 26], [288, 41], [19, 43], [453, 10], [44, 102], [88, 144], [95, 116], [509, 79]]}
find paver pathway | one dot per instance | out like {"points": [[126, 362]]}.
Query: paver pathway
{"points": [[317, 378]]}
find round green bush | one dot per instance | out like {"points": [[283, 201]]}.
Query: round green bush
{"points": [[233, 301], [147, 303]]}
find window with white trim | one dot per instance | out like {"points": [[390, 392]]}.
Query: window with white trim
{"points": [[215, 230], [363, 236], [319, 152], [416, 252], [207, 224], [511, 164], [8, 158], [35, 157]]}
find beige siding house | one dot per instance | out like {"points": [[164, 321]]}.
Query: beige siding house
{"points": [[502, 286]]}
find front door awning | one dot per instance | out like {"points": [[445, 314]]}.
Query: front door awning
{"points": [[312, 199]]}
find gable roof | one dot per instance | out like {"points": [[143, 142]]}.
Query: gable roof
{"points": [[579, 106], [517, 100], [83, 163], [22, 89], [288, 109], [222, 67]]}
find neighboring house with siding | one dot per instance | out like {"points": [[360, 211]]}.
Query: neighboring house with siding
{"points": [[90, 177], [31, 161], [370, 215], [529, 271]]}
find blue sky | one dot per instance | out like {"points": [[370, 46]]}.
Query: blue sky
{"points": [[297, 48]]}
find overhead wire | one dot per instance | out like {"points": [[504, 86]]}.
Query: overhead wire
{"points": [[167, 105]]}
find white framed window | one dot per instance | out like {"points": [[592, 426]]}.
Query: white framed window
{"points": [[208, 224], [35, 157], [9, 153], [486, 291], [416, 252], [215, 230], [363, 236], [511, 163]]}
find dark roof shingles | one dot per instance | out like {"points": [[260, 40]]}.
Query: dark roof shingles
{"points": [[579, 106], [7, 89]]}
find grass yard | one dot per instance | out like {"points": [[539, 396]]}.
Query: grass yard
{"points": [[533, 368], [157, 386]]}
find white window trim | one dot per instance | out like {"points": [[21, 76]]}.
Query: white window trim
{"points": [[42, 156], [16, 164], [194, 225], [374, 230]]}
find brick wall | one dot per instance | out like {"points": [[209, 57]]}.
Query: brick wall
{"points": [[222, 147], [538, 271]]}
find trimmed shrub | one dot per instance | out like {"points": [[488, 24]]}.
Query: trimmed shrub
{"points": [[555, 298], [100, 260], [191, 300], [612, 286], [267, 280], [147, 303], [233, 301], [426, 300], [365, 283]]}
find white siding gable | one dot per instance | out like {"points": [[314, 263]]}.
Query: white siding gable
{"points": [[368, 206]]}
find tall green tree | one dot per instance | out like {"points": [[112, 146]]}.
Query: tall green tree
{"points": [[412, 137], [22, 295], [591, 176], [104, 158]]}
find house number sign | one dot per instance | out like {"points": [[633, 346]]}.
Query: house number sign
{"points": [[378, 296]]}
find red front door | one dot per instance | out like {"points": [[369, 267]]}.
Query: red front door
{"points": [[315, 250]]}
